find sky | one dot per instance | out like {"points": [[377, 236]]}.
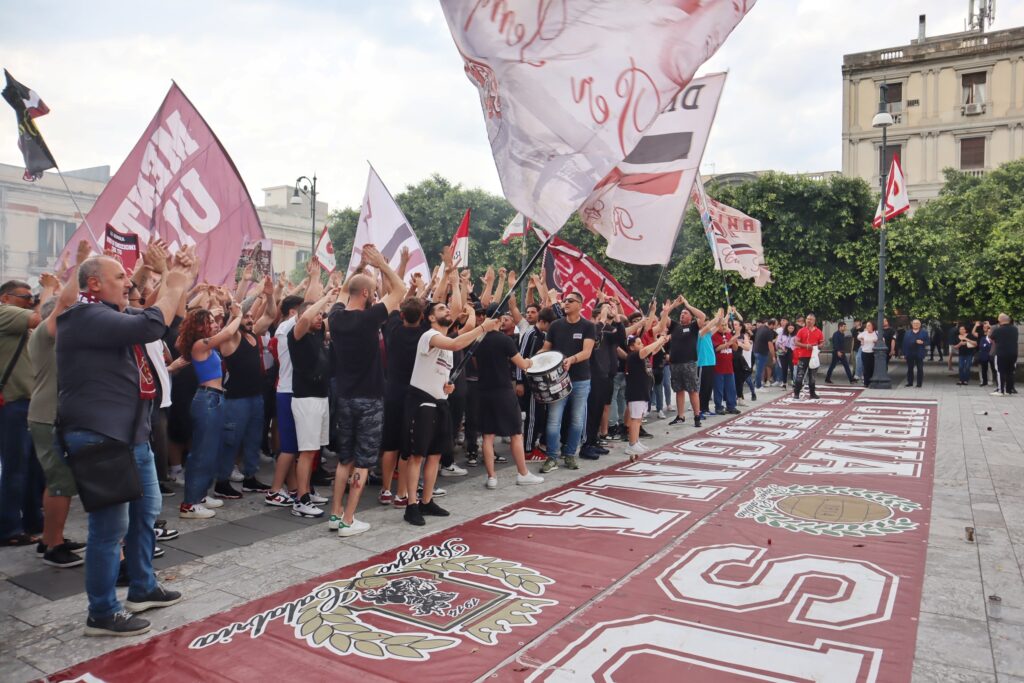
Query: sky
{"points": [[300, 87]]}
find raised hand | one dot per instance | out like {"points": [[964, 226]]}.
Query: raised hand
{"points": [[490, 325], [48, 281], [447, 259], [155, 255], [83, 251], [511, 277]]}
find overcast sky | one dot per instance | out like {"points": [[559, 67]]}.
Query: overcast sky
{"points": [[296, 87]]}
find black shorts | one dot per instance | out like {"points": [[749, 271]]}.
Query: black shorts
{"points": [[499, 413], [427, 428], [394, 422]]}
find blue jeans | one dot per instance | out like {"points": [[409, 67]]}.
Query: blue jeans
{"points": [[725, 387], [207, 427], [132, 522], [657, 397], [964, 367], [617, 411], [858, 372], [243, 425], [21, 476], [577, 402], [666, 384], [760, 361]]}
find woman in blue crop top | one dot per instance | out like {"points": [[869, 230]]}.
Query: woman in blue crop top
{"points": [[199, 342]]}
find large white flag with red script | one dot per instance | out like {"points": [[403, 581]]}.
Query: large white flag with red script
{"points": [[735, 237], [568, 88], [383, 224], [897, 201], [325, 252], [568, 269], [638, 207], [178, 184], [460, 243]]}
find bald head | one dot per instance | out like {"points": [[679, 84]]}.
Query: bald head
{"points": [[1004, 319], [360, 284], [103, 277]]}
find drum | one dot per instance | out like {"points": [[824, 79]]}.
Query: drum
{"points": [[547, 380]]}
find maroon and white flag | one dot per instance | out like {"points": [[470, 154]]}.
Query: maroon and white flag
{"points": [[568, 88], [460, 243], [325, 252], [568, 269], [897, 201], [517, 227], [178, 184], [734, 237], [639, 206]]}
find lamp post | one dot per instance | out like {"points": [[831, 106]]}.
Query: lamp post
{"points": [[880, 377], [308, 188]]}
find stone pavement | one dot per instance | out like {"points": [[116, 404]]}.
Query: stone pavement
{"points": [[250, 550]]}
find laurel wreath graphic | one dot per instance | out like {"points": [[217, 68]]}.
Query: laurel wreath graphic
{"points": [[762, 510], [342, 631]]}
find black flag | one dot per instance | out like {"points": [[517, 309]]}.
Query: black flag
{"points": [[28, 106]]}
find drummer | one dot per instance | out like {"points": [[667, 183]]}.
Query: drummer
{"points": [[498, 406], [536, 412]]}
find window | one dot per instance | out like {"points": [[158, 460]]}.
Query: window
{"points": [[53, 235], [972, 153], [890, 152], [301, 255], [894, 97], [973, 88]]}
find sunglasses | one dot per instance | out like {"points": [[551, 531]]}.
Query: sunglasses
{"points": [[26, 297]]}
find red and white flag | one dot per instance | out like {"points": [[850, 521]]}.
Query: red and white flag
{"points": [[897, 201], [516, 227], [383, 224], [569, 88], [325, 252], [639, 206], [568, 269], [734, 237], [460, 243]]}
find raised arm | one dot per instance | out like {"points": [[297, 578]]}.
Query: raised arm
{"points": [[440, 341], [486, 296], [654, 346], [397, 287], [305, 320], [269, 308]]}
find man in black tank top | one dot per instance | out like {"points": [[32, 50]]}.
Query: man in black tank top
{"points": [[243, 393]]}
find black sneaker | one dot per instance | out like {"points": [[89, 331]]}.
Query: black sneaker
{"points": [[814, 397], [73, 546], [61, 556], [320, 478], [224, 489], [414, 516], [696, 421], [733, 411], [254, 485], [644, 434], [472, 459], [677, 420], [166, 490], [432, 509], [165, 534], [589, 452], [160, 524], [158, 552], [158, 597], [119, 624]]}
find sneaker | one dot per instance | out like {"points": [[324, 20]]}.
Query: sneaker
{"points": [[158, 597], [528, 479], [212, 503], [500, 458], [741, 402], [61, 556], [644, 434], [158, 552], [814, 397], [453, 470], [73, 546], [401, 501], [491, 483], [570, 462], [696, 421], [601, 450], [828, 381], [254, 485], [237, 476], [321, 477], [661, 415], [122, 623], [225, 490], [732, 411], [165, 534], [433, 509], [636, 449], [385, 497], [589, 453], [278, 499], [333, 522], [549, 465], [753, 396], [677, 420], [438, 492], [197, 511], [996, 393], [414, 516], [472, 459], [165, 489], [305, 508], [315, 498], [356, 527], [536, 455]]}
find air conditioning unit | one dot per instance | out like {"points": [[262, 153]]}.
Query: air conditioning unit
{"points": [[974, 109]]}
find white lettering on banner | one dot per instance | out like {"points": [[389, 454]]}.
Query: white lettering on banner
{"points": [[825, 462], [689, 459], [703, 444], [789, 412], [887, 420], [737, 432], [756, 419], [814, 401], [889, 410], [211, 214], [857, 593], [847, 429], [174, 142], [588, 510], [676, 481], [607, 646], [901, 450]]}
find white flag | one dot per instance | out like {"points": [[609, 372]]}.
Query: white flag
{"points": [[734, 237], [516, 228], [325, 252], [460, 243], [639, 205], [569, 88], [383, 224], [897, 201]]}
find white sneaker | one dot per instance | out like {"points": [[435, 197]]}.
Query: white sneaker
{"points": [[301, 509], [316, 499], [492, 483], [453, 471], [278, 499], [996, 393], [212, 502], [741, 402], [636, 448], [661, 414], [237, 476], [356, 527], [197, 511], [528, 478]]}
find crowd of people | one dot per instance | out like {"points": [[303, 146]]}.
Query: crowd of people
{"points": [[392, 376]]}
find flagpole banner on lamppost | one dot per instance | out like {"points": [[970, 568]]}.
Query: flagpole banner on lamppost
{"points": [[735, 237], [569, 88], [638, 206], [897, 201], [178, 184]]}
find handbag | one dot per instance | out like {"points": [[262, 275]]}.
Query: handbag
{"points": [[105, 473], [815, 362], [10, 366]]}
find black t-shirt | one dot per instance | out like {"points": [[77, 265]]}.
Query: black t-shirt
{"points": [[1005, 338], [638, 387], [683, 339], [492, 361], [888, 335], [401, 347], [599, 360], [763, 338], [355, 338], [567, 338], [311, 364], [614, 339], [244, 376]]}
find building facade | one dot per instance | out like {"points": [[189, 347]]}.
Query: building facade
{"points": [[957, 102], [37, 219]]}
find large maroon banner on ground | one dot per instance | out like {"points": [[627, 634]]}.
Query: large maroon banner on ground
{"points": [[787, 544]]}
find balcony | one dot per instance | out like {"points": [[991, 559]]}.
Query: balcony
{"points": [[974, 172], [40, 262]]}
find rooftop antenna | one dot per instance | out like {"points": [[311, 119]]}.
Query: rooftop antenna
{"points": [[982, 18]]}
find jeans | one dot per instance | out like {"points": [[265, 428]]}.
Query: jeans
{"points": [[915, 362], [804, 371], [859, 370], [657, 398], [133, 522], [760, 361], [966, 360], [207, 426], [617, 411], [577, 409], [725, 387], [838, 360], [243, 422], [21, 476]]}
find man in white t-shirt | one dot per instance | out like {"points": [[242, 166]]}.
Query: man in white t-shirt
{"points": [[427, 422]]}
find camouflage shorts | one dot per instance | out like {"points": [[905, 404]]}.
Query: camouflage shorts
{"points": [[360, 424]]}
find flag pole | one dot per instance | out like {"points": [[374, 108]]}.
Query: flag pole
{"points": [[78, 209], [522, 266]]}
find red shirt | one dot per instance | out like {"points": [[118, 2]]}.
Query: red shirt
{"points": [[723, 358], [807, 335]]}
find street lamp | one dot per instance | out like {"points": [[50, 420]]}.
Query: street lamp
{"points": [[308, 188], [880, 378]]}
